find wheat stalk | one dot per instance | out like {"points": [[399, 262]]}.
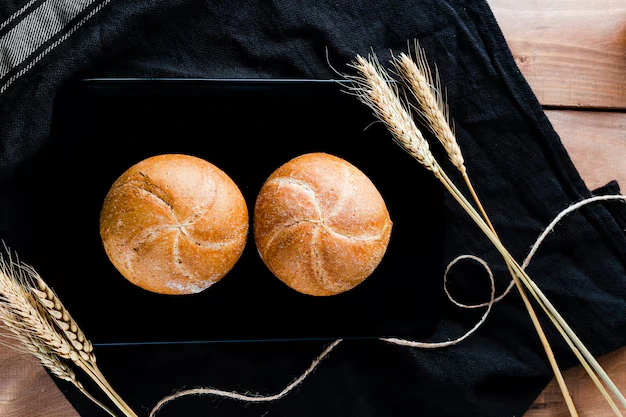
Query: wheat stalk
{"points": [[370, 81], [434, 111], [368, 87]]}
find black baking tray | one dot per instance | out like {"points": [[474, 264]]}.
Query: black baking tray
{"points": [[247, 128]]}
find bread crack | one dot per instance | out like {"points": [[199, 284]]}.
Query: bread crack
{"points": [[341, 201], [148, 187], [278, 230], [214, 245], [178, 260], [319, 269], [209, 203], [299, 184], [358, 238]]}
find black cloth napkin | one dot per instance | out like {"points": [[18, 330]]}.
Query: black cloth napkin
{"points": [[520, 168]]}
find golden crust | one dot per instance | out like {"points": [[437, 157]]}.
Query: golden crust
{"points": [[320, 224], [174, 224]]}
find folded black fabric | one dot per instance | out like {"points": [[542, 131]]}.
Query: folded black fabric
{"points": [[520, 168]]}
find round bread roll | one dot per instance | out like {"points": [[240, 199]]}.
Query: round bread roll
{"points": [[174, 224], [320, 224]]}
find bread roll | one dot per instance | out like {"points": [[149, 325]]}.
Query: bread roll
{"points": [[174, 224], [320, 224]]}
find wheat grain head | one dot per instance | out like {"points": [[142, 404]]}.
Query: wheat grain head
{"points": [[431, 105], [49, 301], [373, 89], [34, 332], [21, 313]]}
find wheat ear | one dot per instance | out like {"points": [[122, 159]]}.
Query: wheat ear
{"points": [[33, 328], [61, 317], [435, 113], [52, 362], [382, 98], [431, 106], [19, 303], [82, 349], [37, 347]]}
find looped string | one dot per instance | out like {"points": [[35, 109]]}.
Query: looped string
{"points": [[436, 345], [257, 398]]}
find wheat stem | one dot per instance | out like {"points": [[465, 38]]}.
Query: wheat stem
{"points": [[531, 312], [105, 387], [586, 366], [564, 329], [567, 331], [100, 376], [573, 348], [472, 191], [95, 401]]}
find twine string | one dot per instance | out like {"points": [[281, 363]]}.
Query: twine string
{"points": [[258, 398], [489, 304]]}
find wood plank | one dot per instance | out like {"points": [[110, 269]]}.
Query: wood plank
{"points": [[596, 143], [26, 389], [588, 400], [572, 52]]}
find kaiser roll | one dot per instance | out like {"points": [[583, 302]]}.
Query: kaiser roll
{"points": [[174, 224], [320, 224]]}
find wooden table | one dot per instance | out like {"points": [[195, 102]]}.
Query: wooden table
{"points": [[573, 53]]}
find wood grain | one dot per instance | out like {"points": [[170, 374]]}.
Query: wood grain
{"points": [[596, 143], [588, 400], [572, 52]]}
